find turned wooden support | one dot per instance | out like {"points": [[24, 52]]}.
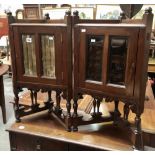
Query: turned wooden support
{"points": [[98, 107], [94, 107], [16, 106], [75, 107], [138, 140], [116, 105], [126, 110], [68, 106], [35, 97], [32, 99], [58, 99], [116, 111], [50, 102], [68, 117], [49, 96], [75, 114]]}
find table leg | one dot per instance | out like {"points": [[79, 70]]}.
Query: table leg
{"points": [[2, 99]]}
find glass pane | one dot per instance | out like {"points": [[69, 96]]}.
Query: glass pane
{"points": [[48, 55], [94, 51], [29, 54], [117, 59]]}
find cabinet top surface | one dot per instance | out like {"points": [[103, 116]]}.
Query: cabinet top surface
{"points": [[113, 25], [38, 24], [106, 137]]}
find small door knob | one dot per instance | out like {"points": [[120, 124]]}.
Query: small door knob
{"points": [[38, 147]]}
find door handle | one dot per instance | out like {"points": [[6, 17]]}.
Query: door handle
{"points": [[38, 147]]}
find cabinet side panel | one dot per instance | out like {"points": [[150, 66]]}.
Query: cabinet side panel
{"points": [[13, 54], [141, 70]]}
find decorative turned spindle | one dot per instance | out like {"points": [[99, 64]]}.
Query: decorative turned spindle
{"points": [[94, 107], [31, 95], [16, 107], [98, 107], [116, 111], [58, 99], [126, 111], [35, 97]]}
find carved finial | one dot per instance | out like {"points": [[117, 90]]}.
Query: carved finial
{"points": [[68, 13], [122, 15], [75, 13], [148, 10], [9, 13], [11, 19], [47, 16]]}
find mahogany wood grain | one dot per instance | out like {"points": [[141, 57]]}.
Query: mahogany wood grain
{"points": [[97, 136]]}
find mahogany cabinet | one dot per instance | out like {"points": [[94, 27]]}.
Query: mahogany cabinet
{"points": [[41, 61], [31, 11], [110, 63], [106, 59]]}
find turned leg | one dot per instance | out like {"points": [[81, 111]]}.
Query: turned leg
{"points": [[116, 111], [68, 117], [98, 108], [138, 140], [94, 107], [50, 102], [31, 95], [75, 115], [35, 97], [16, 106], [58, 109], [126, 111]]}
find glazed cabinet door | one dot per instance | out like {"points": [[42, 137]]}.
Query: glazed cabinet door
{"points": [[39, 54], [106, 58]]}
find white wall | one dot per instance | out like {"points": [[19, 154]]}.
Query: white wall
{"points": [[10, 6]]}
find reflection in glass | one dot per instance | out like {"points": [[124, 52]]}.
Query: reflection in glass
{"points": [[48, 55], [28, 42], [94, 51], [117, 59]]}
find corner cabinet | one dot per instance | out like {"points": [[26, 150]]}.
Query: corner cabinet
{"points": [[110, 63], [106, 59], [42, 64]]}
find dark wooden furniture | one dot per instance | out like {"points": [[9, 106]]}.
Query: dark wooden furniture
{"points": [[41, 61], [110, 61], [33, 11], [39, 132], [3, 70]]}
